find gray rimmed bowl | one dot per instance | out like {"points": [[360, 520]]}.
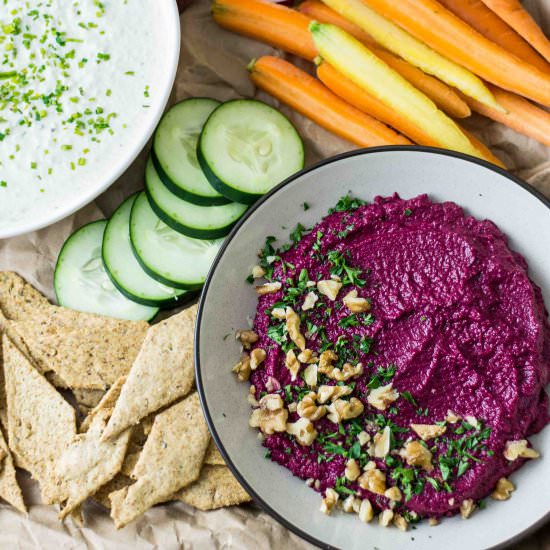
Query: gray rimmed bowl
{"points": [[227, 302]]}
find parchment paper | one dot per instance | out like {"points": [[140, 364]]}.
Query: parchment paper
{"points": [[213, 63]]}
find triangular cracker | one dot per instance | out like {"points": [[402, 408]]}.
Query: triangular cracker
{"points": [[18, 298], [171, 459], [213, 456], [162, 373], [215, 488], [106, 403], [40, 422], [120, 481], [9, 487]]}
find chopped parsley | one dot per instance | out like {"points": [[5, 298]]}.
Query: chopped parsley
{"points": [[347, 203], [382, 377]]}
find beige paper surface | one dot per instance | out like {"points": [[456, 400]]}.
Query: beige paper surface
{"points": [[213, 63]]}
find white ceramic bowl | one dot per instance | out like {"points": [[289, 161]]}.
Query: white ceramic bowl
{"points": [[227, 301], [167, 46]]}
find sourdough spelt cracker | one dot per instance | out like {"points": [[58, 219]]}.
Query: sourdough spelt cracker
{"points": [[162, 373], [215, 488], [9, 487], [40, 422], [106, 403], [213, 456], [120, 481], [171, 459], [18, 298], [86, 399], [87, 463]]}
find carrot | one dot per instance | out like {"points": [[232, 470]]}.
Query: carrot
{"points": [[401, 43], [486, 153], [356, 96], [440, 29], [521, 21], [309, 97], [490, 25], [441, 94], [522, 116], [268, 22], [361, 66]]}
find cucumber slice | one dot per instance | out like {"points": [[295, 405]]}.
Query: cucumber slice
{"points": [[175, 152], [123, 268], [81, 282], [246, 148], [165, 254], [200, 222]]}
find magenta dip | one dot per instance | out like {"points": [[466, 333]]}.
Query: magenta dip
{"points": [[454, 324]]}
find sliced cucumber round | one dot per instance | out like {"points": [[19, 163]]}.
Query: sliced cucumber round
{"points": [[123, 268], [246, 148], [81, 282], [200, 222], [165, 254], [175, 152]]}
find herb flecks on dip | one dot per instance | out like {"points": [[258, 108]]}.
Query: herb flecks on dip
{"points": [[398, 359]]}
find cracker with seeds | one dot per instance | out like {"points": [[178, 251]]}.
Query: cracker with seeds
{"points": [[215, 488], [19, 299], [213, 456], [120, 481], [9, 487], [162, 373], [106, 403], [171, 459]]}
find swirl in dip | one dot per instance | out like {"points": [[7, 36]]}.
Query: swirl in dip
{"points": [[398, 359]]}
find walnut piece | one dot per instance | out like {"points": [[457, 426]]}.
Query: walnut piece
{"points": [[351, 504], [310, 301], [382, 441], [345, 373], [503, 489], [452, 418], [293, 327], [393, 493], [329, 288], [363, 438], [279, 313], [332, 393], [257, 357], [385, 518], [352, 471], [303, 430], [308, 408], [326, 361], [292, 364], [519, 449], [373, 480], [329, 502], [416, 454], [246, 338], [400, 522], [258, 272], [466, 508], [356, 304], [366, 512], [380, 398], [344, 410], [428, 431], [271, 417], [242, 368], [308, 356], [310, 376], [269, 288]]}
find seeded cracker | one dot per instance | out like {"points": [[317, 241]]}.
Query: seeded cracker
{"points": [[18, 299], [9, 488], [106, 403], [215, 488], [171, 459], [162, 373], [213, 456]]}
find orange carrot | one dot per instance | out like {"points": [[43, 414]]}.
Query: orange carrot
{"points": [[268, 22], [440, 29], [488, 155], [441, 94], [490, 25], [356, 96], [521, 21], [309, 97], [523, 116]]}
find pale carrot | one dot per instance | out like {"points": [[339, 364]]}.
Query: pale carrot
{"points": [[356, 96], [347, 55], [522, 116], [440, 29], [521, 21], [308, 96], [490, 25], [268, 22], [441, 94]]}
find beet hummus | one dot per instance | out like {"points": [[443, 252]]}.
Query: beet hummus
{"points": [[398, 359]]}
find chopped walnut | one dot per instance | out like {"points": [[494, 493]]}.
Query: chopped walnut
{"points": [[503, 489], [380, 398], [311, 284], [519, 449], [382, 441], [292, 407], [329, 288], [269, 288], [452, 418], [332, 393], [400, 522], [345, 373], [292, 364], [466, 508], [246, 338], [385, 518], [308, 356], [344, 410], [258, 272], [356, 304], [303, 430], [271, 417], [272, 384], [293, 327], [472, 420], [366, 512], [393, 493], [363, 438], [310, 375], [310, 301], [428, 431], [326, 361], [279, 313], [352, 471], [416, 454], [351, 504], [251, 397], [308, 408], [329, 502], [242, 368], [373, 480], [433, 522], [257, 357]]}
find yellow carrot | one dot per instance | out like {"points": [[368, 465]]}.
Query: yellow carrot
{"points": [[309, 97], [361, 66], [412, 50]]}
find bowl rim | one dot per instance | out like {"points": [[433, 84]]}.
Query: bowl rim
{"points": [[171, 25], [203, 297]]}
